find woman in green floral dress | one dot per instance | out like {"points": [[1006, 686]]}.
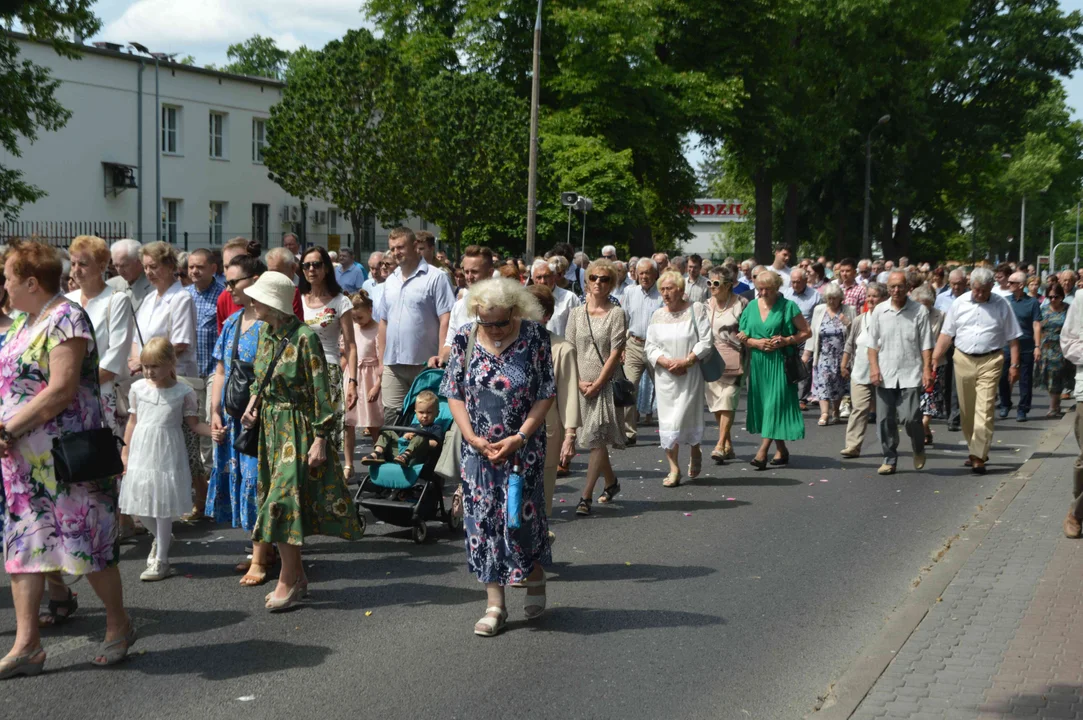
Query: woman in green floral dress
{"points": [[302, 490]]}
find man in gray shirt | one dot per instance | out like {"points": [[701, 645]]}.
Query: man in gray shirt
{"points": [[807, 299], [130, 277], [639, 303], [696, 288], [900, 366]]}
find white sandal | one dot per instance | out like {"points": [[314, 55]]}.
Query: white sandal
{"points": [[493, 626], [535, 604]]}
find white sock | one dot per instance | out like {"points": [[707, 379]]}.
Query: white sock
{"points": [[165, 537]]}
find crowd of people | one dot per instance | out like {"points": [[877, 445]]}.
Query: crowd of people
{"points": [[237, 380]]}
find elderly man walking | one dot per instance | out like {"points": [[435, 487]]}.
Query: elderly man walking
{"points": [[542, 273], [639, 303], [981, 324], [900, 366], [957, 285], [414, 311], [1028, 312], [807, 299], [855, 366], [130, 277]]}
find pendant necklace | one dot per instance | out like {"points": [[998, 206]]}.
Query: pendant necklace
{"points": [[498, 343]]}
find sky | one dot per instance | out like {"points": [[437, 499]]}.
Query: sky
{"points": [[206, 28]]}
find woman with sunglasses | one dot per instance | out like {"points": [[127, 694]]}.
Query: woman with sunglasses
{"points": [[597, 330], [724, 394], [330, 313], [1054, 371], [231, 494]]}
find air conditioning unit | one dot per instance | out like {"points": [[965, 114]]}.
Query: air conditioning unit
{"points": [[285, 213], [319, 217]]}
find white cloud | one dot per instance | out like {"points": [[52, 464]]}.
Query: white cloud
{"points": [[205, 28]]}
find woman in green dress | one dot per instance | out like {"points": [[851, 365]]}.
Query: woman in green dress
{"points": [[771, 327], [301, 488], [1054, 372]]}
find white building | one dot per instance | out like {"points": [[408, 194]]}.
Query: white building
{"points": [[711, 220], [214, 185]]}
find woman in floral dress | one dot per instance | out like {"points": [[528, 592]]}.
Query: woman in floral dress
{"points": [[930, 399], [48, 386], [231, 493], [499, 397], [830, 325], [302, 490], [1053, 370]]}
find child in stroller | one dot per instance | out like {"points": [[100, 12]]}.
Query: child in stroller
{"points": [[419, 446]]}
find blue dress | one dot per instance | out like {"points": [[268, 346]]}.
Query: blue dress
{"points": [[499, 391], [231, 493]]}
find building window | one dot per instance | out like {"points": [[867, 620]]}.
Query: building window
{"points": [[259, 139], [170, 130], [261, 215], [368, 234], [332, 221], [218, 135], [218, 220], [170, 215]]}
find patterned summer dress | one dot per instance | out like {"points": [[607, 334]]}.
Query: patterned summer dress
{"points": [[231, 493], [71, 529], [1053, 371], [499, 391], [602, 421], [827, 382]]}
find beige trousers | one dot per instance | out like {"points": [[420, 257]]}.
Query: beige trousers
{"points": [[976, 380], [860, 403], [394, 384], [635, 364], [1077, 478]]}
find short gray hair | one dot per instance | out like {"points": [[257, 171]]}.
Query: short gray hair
{"points": [[924, 294], [609, 249], [281, 255], [653, 265], [723, 273], [128, 247], [982, 277], [502, 293], [877, 287], [957, 273], [541, 263], [832, 290]]}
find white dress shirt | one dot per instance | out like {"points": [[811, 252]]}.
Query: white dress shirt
{"points": [[784, 273], [981, 328], [563, 301], [457, 321], [111, 313], [638, 308], [171, 315], [1071, 344], [944, 301], [411, 307], [857, 345], [899, 336]]}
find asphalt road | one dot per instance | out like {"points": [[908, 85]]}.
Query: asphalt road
{"points": [[739, 595]]}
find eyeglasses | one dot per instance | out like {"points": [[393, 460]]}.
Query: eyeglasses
{"points": [[315, 265], [232, 284], [494, 323], [605, 279]]}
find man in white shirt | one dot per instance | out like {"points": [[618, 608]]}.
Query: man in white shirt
{"points": [[864, 272], [696, 287], [957, 285], [639, 304], [1000, 275], [862, 391], [807, 299], [130, 277], [542, 273], [477, 264], [609, 252], [900, 353], [981, 324], [376, 274], [781, 265], [289, 241], [1071, 344]]}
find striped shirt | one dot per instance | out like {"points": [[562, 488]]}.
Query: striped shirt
{"points": [[638, 308]]}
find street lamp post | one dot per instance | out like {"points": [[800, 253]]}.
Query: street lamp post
{"points": [[1075, 261], [1022, 226], [866, 246], [532, 181]]}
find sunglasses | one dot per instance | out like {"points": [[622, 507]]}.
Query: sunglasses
{"points": [[232, 284], [494, 323], [315, 265], [716, 283], [599, 279]]}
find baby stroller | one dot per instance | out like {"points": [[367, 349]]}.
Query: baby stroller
{"points": [[425, 499]]}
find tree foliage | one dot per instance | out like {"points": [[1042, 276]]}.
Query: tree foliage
{"points": [[29, 90], [258, 56]]}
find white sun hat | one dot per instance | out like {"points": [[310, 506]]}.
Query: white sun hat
{"points": [[274, 290]]}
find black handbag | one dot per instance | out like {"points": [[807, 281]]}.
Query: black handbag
{"points": [[624, 392], [88, 456], [247, 442], [796, 369], [239, 383]]}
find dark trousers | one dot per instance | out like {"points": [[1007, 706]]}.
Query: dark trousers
{"points": [[1026, 381], [951, 392], [894, 406]]}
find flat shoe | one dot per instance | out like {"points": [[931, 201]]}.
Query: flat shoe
{"points": [[672, 480], [492, 626], [609, 493], [535, 604], [718, 457], [293, 597], [758, 464], [695, 465], [116, 650], [15, 665]]}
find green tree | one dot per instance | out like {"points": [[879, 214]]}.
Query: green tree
{"points": [[258, 56], [339, 131], [30, 104], [187, 60]]}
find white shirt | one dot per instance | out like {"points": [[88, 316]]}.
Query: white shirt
{"points": [[899, 336], [111, 313], [326, 321], [860, 372], [944, 301], [411, 307], [1002, 292], [172, 316], [784, 273], [1071, 344], [981, 328], [564, 301], [457, 321]]}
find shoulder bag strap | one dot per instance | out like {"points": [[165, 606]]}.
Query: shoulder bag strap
{"points": [[135, 321], [236, 341], [591, 331], [274, 363], [97, 380]]}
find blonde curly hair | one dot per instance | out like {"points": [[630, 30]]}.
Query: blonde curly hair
{"points": [[505, 294]]}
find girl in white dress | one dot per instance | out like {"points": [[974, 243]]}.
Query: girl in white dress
{"points": [[157, 485]]}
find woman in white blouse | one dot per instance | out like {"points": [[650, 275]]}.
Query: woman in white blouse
{"points": [[678, 337], [110, 312]]}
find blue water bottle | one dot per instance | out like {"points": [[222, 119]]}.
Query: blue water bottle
{"points": [[515, 497]]}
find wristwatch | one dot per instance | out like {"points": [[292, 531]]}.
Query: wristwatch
{"points": [[1015, 366], [353, 381], [523, 436]]}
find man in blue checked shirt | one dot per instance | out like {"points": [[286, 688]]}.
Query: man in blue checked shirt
{"points": [[205, 289], [351, 275]]}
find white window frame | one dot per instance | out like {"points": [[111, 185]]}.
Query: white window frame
{"points": [[217, 135], [171, 131], [262, 233], [170, 220], [259, 139], [217, 222]]}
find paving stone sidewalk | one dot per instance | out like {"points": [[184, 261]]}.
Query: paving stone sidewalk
{"points": [[1006, 639]]}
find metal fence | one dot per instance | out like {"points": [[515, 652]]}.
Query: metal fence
{"points": [[60, 234]]}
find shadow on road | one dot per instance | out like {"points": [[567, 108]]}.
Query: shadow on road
{"points": [[606, 572], [1053, 701], [222, 660], [591, 621], [394, 594], [753, 480]]}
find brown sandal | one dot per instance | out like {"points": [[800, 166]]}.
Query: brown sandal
{"points": [[253, 578]]}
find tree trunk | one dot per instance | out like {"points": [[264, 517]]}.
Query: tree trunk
{"points": [[641, 245], [789, 221], [764, 219], [840, 233], [304, 226], [885, 234], [355, 241], [903, 233]]}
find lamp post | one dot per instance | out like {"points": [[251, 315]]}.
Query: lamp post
{"points": [[532, 180], [1075, 261], [866, 246], [157, 139]]}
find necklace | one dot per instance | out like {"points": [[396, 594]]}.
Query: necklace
{"points": [[498, 343], [34, 322]]}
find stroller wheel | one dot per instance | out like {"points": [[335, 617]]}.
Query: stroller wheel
{"points": [[361, 520], [421, 532]]}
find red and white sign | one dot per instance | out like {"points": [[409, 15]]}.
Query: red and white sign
{"points": [[711, 210]]}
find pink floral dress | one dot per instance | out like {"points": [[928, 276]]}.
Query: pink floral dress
{"points": [[46, 528]]}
